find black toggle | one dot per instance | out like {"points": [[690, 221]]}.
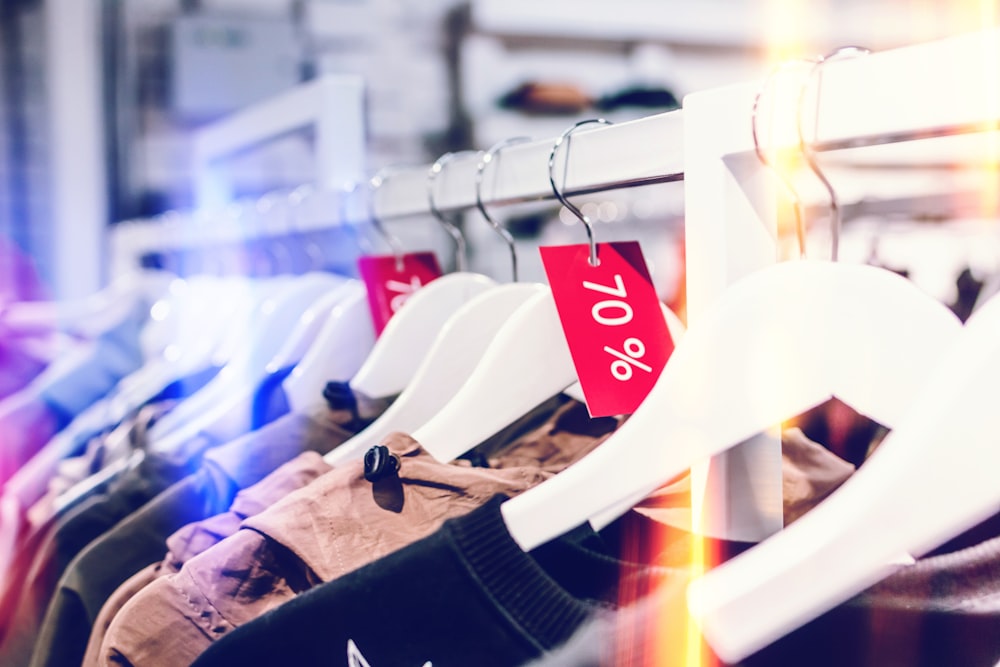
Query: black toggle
{"points": [[380, 463]]}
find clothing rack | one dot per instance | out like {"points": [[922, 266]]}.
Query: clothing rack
{"points": [[937, 89]]}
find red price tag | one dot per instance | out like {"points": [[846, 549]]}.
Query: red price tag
{"points": [[391, 281], [611, 317]]}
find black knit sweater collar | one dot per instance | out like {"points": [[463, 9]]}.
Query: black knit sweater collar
{"points": [[550, 592]]}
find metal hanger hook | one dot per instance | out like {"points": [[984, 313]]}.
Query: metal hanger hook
{"points": [[806, 148], [487, 157], [450, 226], [391, 240], [343, 196], [593, 259], [783, 179]]}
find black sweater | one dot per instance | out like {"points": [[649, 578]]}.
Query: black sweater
{"points": [[466, 595]]}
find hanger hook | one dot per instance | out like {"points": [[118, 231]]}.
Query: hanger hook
{"points": [[343, 196], [486, 158], [559, 195], [391, 240], [786, 183], [461, 252], [807, 150]]}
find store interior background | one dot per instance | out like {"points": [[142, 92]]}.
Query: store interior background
{"points": [[101, 99]]}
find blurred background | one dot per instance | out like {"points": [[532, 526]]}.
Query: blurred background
{"points": [[101, 97]]}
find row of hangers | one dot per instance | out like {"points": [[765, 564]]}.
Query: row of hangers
{"points": [[318, 323], [468, 356], [859, 333]]}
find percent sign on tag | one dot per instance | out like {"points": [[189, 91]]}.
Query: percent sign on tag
{"points": [[391, 281], [633, 351], [613, 323]]}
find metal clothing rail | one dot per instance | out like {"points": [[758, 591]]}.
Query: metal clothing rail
{"points": [[608, 157], [929, 90], [936, 89]]}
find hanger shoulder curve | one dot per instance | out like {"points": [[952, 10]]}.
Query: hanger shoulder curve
{"points": [[274, 320], [309, 325], [337, 352], [764, 353], [411, 331], [92, 314], [945, 442], [453, 356], [527, 362]]}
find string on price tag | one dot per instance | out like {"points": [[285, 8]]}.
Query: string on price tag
{"points": [[612, 320], [392, 280]]}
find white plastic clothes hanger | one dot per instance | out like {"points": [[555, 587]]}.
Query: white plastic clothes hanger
{"points": [[189, 330], [452, 357], [411, 332], [310, 323], [185, 332], [776, 343], [258, 292], [215, 408], [340, 347], [387, 366], [953, 406], [527, 363], [177, 341], [763, 355], [91, 315], [933, 477], [233, 401]]}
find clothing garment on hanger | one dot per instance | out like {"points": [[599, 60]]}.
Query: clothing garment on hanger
{"points": [[65, 388], [504, 606], [216, 487], [361, 520], [207, 473], [940, 610]]}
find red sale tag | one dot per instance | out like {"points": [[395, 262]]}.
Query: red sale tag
{"points": [[392, 280], [612, 320]]}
